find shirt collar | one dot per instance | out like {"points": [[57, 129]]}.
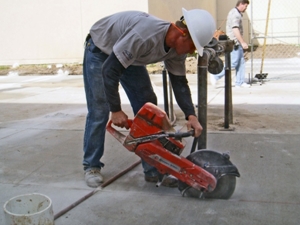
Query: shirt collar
{"points": [[239, 11]]}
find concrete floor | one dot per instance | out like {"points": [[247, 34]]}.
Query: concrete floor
{"points": [[41, 129]]}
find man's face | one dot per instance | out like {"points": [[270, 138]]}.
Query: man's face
{"points": [[243, 7], [185, 45]]}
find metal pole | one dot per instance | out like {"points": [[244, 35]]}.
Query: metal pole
{"points": [[165, 90], [265, 39], [202, 98], [252, 37], [298, 30], [228, 118], [171, 103]]}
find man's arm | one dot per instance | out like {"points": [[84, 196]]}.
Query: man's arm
{"points": [[239, 37], [182, 94], [112, 70], [184, 99]]}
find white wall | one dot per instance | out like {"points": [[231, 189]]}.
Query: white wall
{"points": [[171, 10], [52, 31], [284, 21]]}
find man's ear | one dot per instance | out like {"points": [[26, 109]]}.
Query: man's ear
{"points": [[185, 32]]}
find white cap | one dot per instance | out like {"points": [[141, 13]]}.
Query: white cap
{"points": [[201, 26]]}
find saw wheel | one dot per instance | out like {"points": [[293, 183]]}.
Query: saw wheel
{"points": [[220, 166]]}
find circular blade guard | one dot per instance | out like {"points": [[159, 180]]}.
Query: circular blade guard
{"points": [[220, 166]]}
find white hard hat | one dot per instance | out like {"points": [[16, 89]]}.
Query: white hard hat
{"points": [[201, 26]]}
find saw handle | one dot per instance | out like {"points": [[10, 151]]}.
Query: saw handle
{"points": [[117, 134], [109, 124], [179, 135]]}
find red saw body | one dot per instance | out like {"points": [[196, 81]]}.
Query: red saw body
{"points": [[148, 138]]}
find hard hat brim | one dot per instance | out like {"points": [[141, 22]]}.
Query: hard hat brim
{"points": [[192, 33]]}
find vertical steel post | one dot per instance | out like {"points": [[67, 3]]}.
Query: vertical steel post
{"points": [[165, 90], [228, 118], [252, 42], [171, 103], [202, 97]]}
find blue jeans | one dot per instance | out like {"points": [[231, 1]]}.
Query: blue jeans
{"points": [[137, 85], [237, 63]]}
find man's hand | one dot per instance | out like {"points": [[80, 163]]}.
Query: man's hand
{"points": [[194, 123], [239, 37], [245, 45], [120, 119]]}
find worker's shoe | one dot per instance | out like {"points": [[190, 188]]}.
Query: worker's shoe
{"points": [[169, 181], [243, 85], [93, 177]]}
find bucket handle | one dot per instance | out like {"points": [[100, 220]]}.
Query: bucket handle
{"points": [[115, 133]]}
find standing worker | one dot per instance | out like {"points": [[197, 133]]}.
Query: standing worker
{"points": [[234, 30], [117, 50]]}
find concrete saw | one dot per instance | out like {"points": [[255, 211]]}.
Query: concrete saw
{"points": [[203, 173]]}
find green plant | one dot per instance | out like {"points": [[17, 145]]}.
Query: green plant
{"points": [[4, 67], [192, 55]]}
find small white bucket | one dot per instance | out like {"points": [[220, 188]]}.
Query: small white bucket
{"points": [[29, 209]]}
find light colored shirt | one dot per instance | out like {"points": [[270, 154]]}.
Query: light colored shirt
{"points": [[137, 38], [234, 19]]}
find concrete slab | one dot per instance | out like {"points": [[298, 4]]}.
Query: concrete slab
{"points": [[41, 129]]}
